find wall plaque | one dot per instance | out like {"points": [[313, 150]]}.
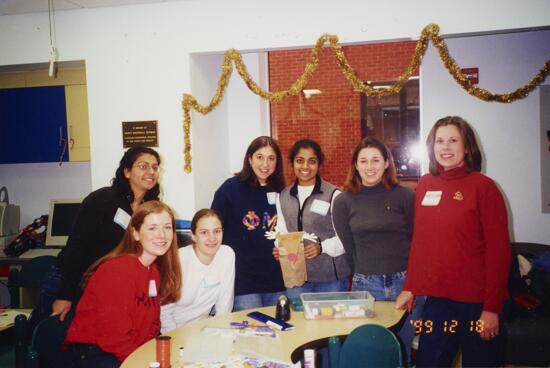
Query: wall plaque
{"points": [[140, 133]]}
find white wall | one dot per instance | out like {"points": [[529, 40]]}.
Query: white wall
{"points": [[248, 114], [209, 132], [138, 60], [509, 133], [222, 137], [31, 186]]}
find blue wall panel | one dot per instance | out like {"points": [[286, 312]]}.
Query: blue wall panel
{"points": [[33, 125]]}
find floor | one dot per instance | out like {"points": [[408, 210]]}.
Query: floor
{"points": [[7, 354]]}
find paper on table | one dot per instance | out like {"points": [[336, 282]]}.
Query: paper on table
{"points": [[240, 361], [208, 347], [7, 317], [259, 346]]}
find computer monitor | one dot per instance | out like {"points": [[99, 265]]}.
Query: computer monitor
{"points": [[61, 217]]}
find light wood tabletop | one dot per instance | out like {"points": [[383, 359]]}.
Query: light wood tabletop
{"points": [[7, 317], [305, 332]]}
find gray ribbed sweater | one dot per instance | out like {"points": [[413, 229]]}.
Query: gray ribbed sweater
{"points": [[375, 227]]}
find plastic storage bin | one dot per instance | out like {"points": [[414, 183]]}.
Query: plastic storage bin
{"points": [[354, 304]]}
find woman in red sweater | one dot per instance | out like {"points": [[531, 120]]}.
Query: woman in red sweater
{"points": [[460, 254], [120, 307]]}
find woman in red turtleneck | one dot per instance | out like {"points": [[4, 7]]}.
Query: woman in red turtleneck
{"points": [[460, 253]]}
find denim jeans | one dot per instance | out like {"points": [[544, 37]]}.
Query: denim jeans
{"points": [[381, 287], [249, 301], [49, 291], [317, 287], [386, 288]]}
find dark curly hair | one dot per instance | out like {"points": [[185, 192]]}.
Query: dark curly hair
{"points": [[121, 184]]}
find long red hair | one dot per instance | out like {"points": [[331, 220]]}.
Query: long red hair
{"points": [[168, 264]]}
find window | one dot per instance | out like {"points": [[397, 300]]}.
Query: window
{"points": [[395, 120]]}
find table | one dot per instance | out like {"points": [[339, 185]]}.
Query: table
{"points": [[307, 333], [7, 317], [31, 253]]}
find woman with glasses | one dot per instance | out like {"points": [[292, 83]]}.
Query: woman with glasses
{"points": [[208, 269], [100, 226]]}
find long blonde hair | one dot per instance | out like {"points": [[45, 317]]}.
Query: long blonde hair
{"points": [[168, 264]]}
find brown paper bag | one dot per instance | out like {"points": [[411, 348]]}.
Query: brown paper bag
{"points": [[291, 257]]}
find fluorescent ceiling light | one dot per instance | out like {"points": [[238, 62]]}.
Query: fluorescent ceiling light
{"points": [[310, 92]]}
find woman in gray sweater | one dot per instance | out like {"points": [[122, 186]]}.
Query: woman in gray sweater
{"points": [[374, 220]]}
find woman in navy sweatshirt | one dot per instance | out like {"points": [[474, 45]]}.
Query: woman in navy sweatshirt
{"points": [[246, 202]]}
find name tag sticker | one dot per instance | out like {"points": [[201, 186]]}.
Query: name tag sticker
{"points": [[152, 288], [432, 198], [320, 207], [122, 218], [271, 197]]}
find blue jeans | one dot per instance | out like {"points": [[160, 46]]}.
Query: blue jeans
{"points": [[317, 287], [49, 291], [381, 287], [439, 343], [386, 288], [258, 300]]}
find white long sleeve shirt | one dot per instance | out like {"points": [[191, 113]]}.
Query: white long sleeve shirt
{"points": [[204, 286]]}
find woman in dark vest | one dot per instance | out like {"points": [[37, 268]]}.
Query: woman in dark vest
{"points": [[306, 206]]}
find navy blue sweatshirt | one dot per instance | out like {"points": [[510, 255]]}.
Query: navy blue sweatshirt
{"points": [[247, 215]]}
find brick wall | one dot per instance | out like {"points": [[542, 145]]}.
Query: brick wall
{"points": [[333, 117]]}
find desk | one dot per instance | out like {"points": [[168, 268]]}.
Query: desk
{"points": [[7, 318], [304, 333], [31, 253]]}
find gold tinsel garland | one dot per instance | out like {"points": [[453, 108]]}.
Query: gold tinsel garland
{"points": [[430, 31]]}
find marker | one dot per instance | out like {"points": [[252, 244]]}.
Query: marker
{"points": [[273, 324]]}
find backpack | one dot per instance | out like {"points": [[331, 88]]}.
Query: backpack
{"points": [[32, 236]]}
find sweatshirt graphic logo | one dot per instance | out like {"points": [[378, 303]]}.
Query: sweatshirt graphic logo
{"points": [[252, 221], [458, 196], [145, 300]]}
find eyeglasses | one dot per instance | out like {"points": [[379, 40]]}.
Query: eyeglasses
{"points": [[145, 167]]}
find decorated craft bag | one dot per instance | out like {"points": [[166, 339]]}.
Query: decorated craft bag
{"points": [[291, 257]]}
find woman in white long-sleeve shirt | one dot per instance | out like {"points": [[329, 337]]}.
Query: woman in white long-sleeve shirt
{"points": [[208, 272]]}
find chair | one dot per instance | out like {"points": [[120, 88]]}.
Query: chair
{"points": [[527, 338], [370, 346], [30, 276], [47, 342]]}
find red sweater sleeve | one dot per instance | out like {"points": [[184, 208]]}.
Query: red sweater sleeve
{"points": [[494, 221]]}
